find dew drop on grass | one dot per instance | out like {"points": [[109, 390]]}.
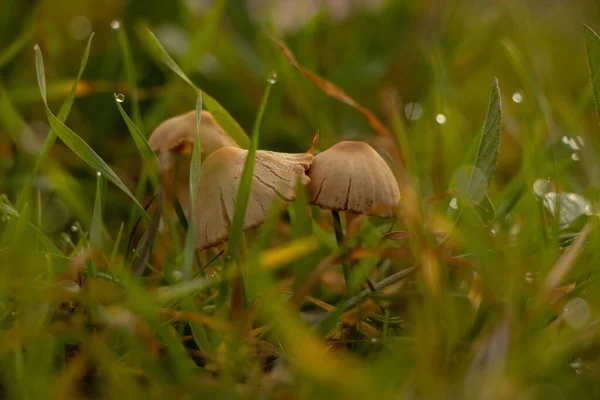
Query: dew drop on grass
{"points": [[272, 79], [177, 275], [74, 228], [517, 97], [413, 111], [454, 204], [440, 119], [577, 365], [577, 313], [542, 187], [98, 174], [119, 97], [36, 47], [115, 25]]}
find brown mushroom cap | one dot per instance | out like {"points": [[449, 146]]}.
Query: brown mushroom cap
{"points": [[353, 176], [178, 134], [275, 174]]}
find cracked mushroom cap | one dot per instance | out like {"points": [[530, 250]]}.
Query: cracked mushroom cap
{"points": [[275, 174], [353, 176], [178, 134]]}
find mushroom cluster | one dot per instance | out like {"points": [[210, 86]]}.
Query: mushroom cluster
{"points": [[349, 176]]}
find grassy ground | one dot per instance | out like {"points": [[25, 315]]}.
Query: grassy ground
{"points": [[486, 282]]}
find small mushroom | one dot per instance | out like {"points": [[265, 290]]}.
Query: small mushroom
{"points": [[352, 176], [275, 174], [178, 134]]}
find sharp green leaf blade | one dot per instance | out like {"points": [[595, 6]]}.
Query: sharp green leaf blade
{"points": [[78, 145], [96, 228], [592, 42], [138, 137], [190, 239], [243, 194], [129, 67], [487, 154], [63, 113], [225, 119]]}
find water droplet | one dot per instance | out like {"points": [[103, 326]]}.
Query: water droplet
{"points": [[575, 157], [454, 204], [576, 313], [528, 277], [98, 174], [119, 97], [115, 25], [541, 187], [573, 144], [413, 111], [177, 275], [441, 119], [495, 229], [517, 97], [577, 365], [74, 228], [272, 78], [374, 340]]}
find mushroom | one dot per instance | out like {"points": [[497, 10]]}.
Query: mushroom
{"points": [[275, 174], [352, 176], [178, 134]]}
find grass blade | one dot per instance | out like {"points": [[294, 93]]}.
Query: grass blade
{"points": [[487, 154], [334, 91], [96, 228], [129, 67], [138, 137], [190, 238], [75, 143], [225, 119], [592, 42], [243, 194]]}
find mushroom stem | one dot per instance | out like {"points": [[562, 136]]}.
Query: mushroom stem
{"points": [[339, 236]]}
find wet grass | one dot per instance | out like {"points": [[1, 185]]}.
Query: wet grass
{"points": [[484, 285]]}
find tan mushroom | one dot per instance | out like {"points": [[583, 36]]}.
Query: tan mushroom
{"points": [[352, 176], [178, 134], [275, 174]]}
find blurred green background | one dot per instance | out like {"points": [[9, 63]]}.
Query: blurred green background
{"points": [[419, 58]]}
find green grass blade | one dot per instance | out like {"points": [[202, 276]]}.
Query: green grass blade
{"points": [[243, 194], [75, 143], [64, 111], [96, 228], [225, 119], [138, 137], [592, 42], [129, 67], [190, 238], [487, 154]]}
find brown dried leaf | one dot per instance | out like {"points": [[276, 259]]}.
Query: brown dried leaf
{"points": [[334, 91]]}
